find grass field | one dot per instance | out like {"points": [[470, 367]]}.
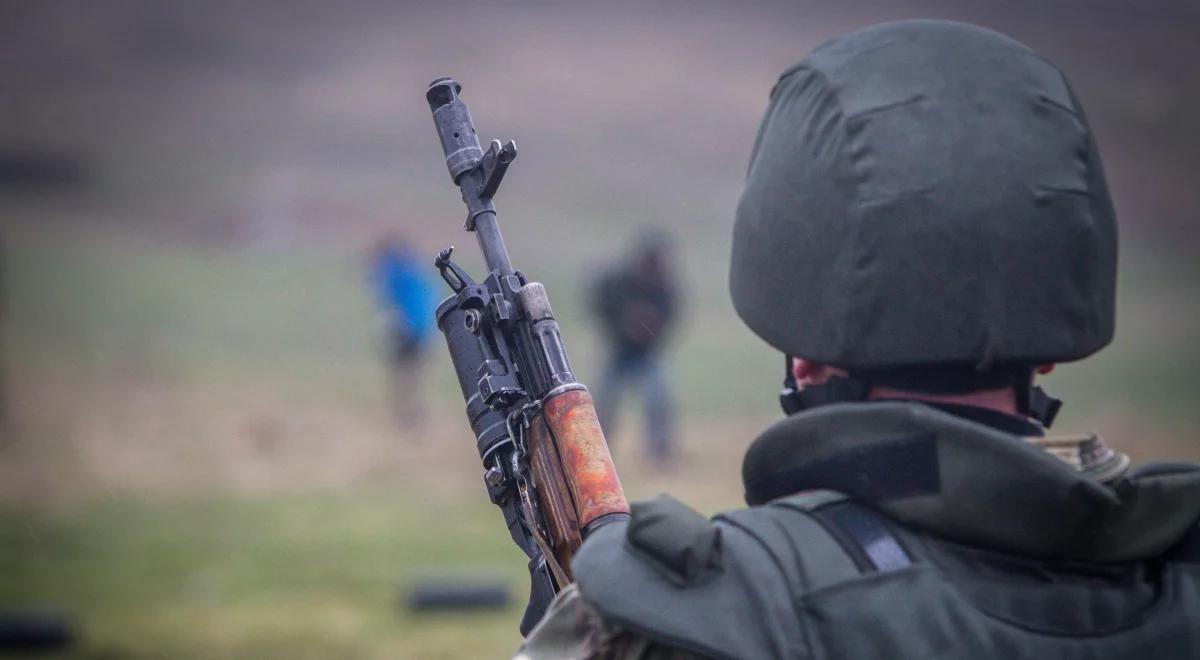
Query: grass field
{"points": [[199, 460]]}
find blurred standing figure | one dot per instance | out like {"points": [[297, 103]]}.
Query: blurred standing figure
{"points": [[406, 297], [637, 302]]}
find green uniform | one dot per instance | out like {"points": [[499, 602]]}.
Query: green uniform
{"points": [[897, 530]]}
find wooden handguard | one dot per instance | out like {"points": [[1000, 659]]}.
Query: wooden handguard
{"points": [[554, 495], [572, 470]]}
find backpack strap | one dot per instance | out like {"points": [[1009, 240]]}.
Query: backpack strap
{"points": [[864, 535]]}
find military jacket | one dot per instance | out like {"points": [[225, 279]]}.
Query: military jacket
{"points": [[890, 530]]}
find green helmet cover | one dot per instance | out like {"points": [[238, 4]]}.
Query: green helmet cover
{"points": [[925, 193]]}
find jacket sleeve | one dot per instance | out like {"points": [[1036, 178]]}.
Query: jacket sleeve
{"points": [[572, 629]]}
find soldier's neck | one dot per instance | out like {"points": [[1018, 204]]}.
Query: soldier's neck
{"points": [[1002, 399]]}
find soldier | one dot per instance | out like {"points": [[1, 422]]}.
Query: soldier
{"points": [[637, 302], [925, 226]]}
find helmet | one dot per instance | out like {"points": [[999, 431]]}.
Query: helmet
{"points": [[925, 194]]}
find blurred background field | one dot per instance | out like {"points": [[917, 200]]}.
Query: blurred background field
{"points": [[198, 459]]}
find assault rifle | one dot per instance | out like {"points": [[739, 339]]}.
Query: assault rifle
{"points": [[545, 460]]}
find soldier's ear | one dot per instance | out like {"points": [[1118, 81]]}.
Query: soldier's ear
{"points": [[801, 370], [806, 372], [1044, 369]]}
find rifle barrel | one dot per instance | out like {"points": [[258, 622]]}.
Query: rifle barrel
{"points": [[464, 156]]}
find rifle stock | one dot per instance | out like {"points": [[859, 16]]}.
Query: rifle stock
{"points": [[546, 462]]}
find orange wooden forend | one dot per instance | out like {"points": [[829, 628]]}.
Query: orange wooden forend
{"points": [[587, 464]]}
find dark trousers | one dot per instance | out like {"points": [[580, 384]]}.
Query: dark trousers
{"points": [[645, 375]]}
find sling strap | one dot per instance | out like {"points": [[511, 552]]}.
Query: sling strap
{"points": [[864, 536]]}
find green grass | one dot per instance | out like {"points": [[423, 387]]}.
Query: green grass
{"points": [[211, 576]]}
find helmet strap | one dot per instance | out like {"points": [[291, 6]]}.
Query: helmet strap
{"points": [[1035, 403], [1032, 400], [838, 389]]}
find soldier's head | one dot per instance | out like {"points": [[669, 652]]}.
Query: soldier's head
{"points": [[926, 211]]}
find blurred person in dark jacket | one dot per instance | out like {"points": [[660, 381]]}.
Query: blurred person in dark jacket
{"points": [[406, 299], [637, 303]]}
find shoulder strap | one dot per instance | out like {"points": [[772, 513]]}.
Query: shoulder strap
{"points": [[864, 536]]}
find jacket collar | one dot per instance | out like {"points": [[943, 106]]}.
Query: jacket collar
{"points": [[970, 482]]}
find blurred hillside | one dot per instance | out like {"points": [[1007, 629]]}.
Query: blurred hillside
{"points": [[214, 119], [198, 457]]}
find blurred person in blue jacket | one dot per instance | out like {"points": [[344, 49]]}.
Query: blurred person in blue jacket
{"points": [[405, 295]]}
